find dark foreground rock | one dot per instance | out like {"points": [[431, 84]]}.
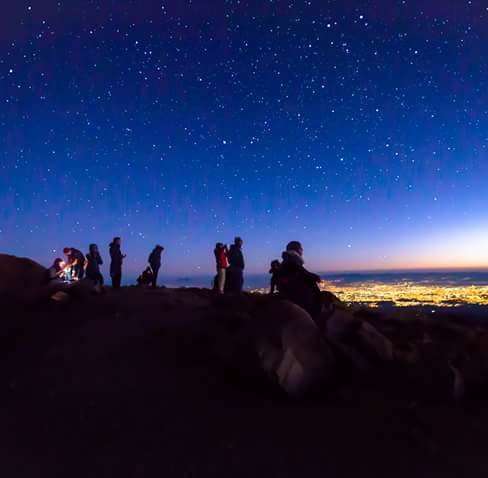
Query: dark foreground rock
{"points": [[22, 281], [177, 383], [272, 338]]}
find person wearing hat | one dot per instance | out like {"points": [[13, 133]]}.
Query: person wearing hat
{"points": [[297, 284]]}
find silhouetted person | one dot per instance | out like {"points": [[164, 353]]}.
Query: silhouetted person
{"points": [[75, 262], [117, 258], [274, 271], [146, 277], [222, 263], [235, 273], [155, 263], [297, 284], [56, 270], [94, 261]]}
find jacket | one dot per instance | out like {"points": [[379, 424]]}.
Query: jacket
{"points": [[221, 258], [235, 256], [116, 259], [154, 258], [94, 263], [298, 285], [76, 256]]}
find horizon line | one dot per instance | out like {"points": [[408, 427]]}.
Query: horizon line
{"points": [[362, 271]]}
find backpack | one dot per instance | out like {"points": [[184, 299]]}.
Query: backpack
{"points": [[146, 277]]}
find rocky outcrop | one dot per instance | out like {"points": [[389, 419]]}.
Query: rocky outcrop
{"points": [[275, 341], [22, 281], [294, 352], [263, 341], [280, 340]]}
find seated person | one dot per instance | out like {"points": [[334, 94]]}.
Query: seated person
{"points": [[297, 284], [56, 270], [146, 277]]}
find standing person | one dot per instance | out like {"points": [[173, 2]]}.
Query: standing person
{"points": [[75, 262], [155, 263], [222, 263], [297, 284], [116, 257], [235, 273], [94, 261], [274, 271]]}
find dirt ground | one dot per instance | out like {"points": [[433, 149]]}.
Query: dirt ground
{"points": [[120, 385]]}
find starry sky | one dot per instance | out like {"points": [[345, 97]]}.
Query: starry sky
{"points": [[359, 128]]}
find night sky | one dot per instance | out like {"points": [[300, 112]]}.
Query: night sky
{"points": [[358, 128]]}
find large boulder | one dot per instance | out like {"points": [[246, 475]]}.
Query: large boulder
{"points": [[375, 343], [343, 327], [291, 348], [269, 337], [22, 281]]}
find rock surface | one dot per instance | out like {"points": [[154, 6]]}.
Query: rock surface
{"points": [[305, 360], [22, 280], [133, 384]]}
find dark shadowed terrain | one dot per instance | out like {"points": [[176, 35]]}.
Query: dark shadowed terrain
{"points": [[128, 385]]}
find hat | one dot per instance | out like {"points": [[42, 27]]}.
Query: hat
{"points": [[294, 246]]}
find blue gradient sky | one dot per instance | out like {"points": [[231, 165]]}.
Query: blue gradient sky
{"points": [[360, 131]]}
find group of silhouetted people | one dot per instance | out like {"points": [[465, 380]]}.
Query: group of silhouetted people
{"points": [[289, 278], [230, 267], [77, 265]]}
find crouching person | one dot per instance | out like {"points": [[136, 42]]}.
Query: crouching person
{"points": [[146, 277], [56, 271]]}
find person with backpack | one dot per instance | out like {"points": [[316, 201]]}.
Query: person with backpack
{"points": [[235, 272], [222, 264], [154, 260], [75, 263], [117, 258], [297, 284], [94, 261]]}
